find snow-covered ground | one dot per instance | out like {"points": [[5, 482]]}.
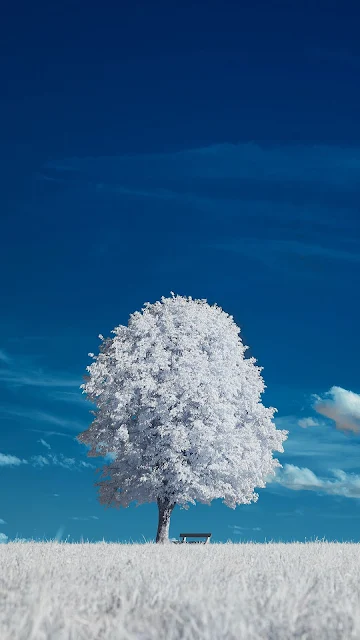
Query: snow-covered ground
{"points": [[61, 591]]}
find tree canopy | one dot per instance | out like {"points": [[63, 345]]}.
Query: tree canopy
{"points": [[179, 407]]}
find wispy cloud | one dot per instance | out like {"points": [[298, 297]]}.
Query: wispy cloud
{"points": [[72, 397], [302, 163], [46, 444], [41, 416], [19, 372], [324, 444], [53, 433], [275, 253], [304, 423], [37, 378], [60, 532], [289, 184], [86, 518], [296, 512], [4, 357], [3, 538], [41, 461], [303, 479], [7, 460], [59, 461], [341, 406], [238, 528], [278, 192], [2, 521], [341, 56]]}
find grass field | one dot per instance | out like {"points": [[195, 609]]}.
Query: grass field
{"points": [[247, 591]]}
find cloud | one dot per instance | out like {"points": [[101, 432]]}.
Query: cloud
{"points": [[53, 433], [342, 56], [86, 464], [46, 444], [59, 533], [3, 538], [20, 373], [4, 357], [43, 461], [237, 529], [39, 461], [42, 416], [72, 397], [2, 521], [275, 252], [297, 203], [341, 406], [10, 461], [304, 423], [303, 479], [59, 461], [322, 446], [296, 512], [293, 163], [37, 378], [86, 518]]}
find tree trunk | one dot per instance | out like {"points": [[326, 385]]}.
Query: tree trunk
{"points": [[165, 509]]}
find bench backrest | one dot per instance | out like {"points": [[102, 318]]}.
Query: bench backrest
{"points": [[183, 536], [195, 535]]}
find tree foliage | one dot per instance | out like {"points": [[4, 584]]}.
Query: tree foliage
{"points": [[178, 406]]}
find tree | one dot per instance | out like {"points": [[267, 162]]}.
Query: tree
{"points": [[178, 407]]}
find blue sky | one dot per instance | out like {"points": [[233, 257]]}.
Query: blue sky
{"points": [[210, 149]]}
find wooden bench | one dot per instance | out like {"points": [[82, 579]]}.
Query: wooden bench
{"points": [[183, 537]]}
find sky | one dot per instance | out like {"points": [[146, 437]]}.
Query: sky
{"points": [[206, 148]]}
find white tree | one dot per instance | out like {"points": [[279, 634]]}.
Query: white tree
{"points": [[178, 406]]}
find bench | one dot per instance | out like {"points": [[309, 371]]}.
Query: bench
{"points": [[184, 537]]}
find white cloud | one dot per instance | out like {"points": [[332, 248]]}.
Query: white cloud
{"points": [[72, 396], [4, 357], [303, 479], [46, 444], [53, 433], [42, 416], [59, 533], [304, 423], [10, 461], [42, 461], [39, 461], [86, 518], [237, 527], [3, 538], [59, 461], [342, 406], [2, 521], [21, 373], [323, 446], [296, 512], [276, 252], [37, 379], [85, 464], [320, 164]]}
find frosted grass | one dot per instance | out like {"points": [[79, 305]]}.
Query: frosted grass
{"points": [[248, 591]]}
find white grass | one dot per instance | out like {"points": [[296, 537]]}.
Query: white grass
{"points": [[246, 591]]}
